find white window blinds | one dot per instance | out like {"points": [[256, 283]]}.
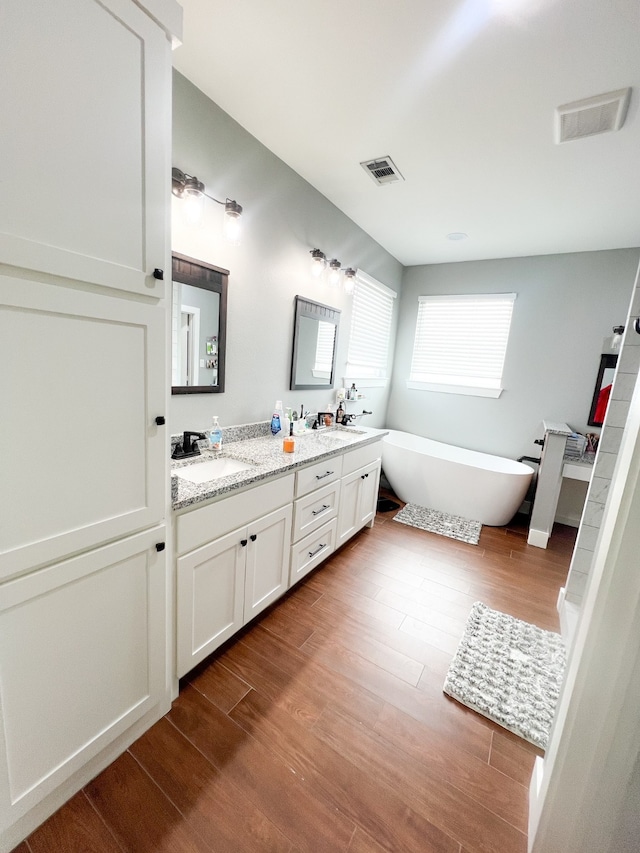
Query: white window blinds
{"points": [[324, 349], [371, 320], [461, 342]]}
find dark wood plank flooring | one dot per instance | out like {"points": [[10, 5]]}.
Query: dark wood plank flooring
{"points": [[323, 726]]}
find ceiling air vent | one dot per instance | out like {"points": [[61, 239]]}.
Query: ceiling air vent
{"points": [[600, 114], [382, 170]]}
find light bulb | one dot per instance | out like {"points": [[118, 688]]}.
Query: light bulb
{"points": [[232, 226], [349, 281], [335, 273], [318, 262], [193, 200]]}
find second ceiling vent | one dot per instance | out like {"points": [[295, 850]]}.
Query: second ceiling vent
{"points": [[599, 114], [382, 170]]}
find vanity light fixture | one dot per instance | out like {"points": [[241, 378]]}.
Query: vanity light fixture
{"points": [[335, 273], [189, 188], [349, 280], [338, 276], [318, 262], [618, 332]]}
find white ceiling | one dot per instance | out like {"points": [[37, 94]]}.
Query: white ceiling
{"points": [[460, 94]]}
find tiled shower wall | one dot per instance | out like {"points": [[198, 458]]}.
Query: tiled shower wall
{"points": [[610, 438]]}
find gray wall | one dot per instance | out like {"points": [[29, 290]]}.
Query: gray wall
{"points": [[566, 304], [284, 218]]}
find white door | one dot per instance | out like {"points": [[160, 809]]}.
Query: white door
{"points": [[83, 659], [210, 598], [268, 550], [84, 167], [358, 499], [79, 442]]}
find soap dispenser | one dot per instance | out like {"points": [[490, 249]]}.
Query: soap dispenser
{"points": [[215, 436], [277, 419]]}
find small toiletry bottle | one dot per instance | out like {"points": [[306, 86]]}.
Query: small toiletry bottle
{"points": [[277, 418], [215, 436], [340, 413], [289, 444], [353, 391]]}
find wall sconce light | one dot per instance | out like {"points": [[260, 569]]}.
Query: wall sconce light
{"points": [[189, 188], [337, 276], [349, 280], [618, 332], [318, 262], [335, 273]]}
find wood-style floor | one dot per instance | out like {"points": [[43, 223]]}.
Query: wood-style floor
{"points": [[323, 726]]}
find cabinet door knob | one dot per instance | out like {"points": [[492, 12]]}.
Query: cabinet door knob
{"points": [[160, 546], [160, 420], [253, 537], [243, 542], [159, 274]]}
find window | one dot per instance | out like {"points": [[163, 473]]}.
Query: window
{"points": [[461, 343], [371, 317]]}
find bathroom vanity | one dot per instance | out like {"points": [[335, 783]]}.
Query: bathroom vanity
{"points": [[243, 539]]}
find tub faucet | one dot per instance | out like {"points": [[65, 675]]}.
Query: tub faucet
{"points": [[188, 447]]}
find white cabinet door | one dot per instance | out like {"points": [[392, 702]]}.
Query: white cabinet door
{"points": [[79, 444], [267, 561], [358, 499], [83, 658], [85, 94], [210, 598]]}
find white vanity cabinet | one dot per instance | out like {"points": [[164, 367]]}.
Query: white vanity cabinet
{"points": [[358, 491], [314, 515], [226, 581]]}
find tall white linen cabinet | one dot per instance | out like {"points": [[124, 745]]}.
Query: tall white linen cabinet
{"points": [[85, 99]]}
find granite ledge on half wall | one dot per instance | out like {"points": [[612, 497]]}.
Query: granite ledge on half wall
{"points": [[254, 445]]}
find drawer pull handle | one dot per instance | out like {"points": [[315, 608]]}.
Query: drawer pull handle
{"points": [[253, 537], [323, 508], [317, 551], [322, 476], [243, 542]]}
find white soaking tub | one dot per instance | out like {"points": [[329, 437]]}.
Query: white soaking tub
{"points": [[477, 486]]}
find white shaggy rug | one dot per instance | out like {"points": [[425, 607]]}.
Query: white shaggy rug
{"points": [[453, 526], [509, 671]]}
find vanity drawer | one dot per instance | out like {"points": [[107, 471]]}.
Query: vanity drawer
{"points": [[312, 550], [320, 474], [361, 456], [313, 510]]}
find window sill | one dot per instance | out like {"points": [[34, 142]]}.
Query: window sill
{"points": [[363, 382], [466, 390]]}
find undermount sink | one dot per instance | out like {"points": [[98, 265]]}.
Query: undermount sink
{"points": [[212, 469], [343, 434]]}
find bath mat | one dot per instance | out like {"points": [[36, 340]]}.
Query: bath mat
{"points": [[453, 526], [509, 671]]}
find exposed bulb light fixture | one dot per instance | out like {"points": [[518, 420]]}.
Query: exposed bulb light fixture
{"points": [[318, 262], [618, 332], [189, 188], [349, 280], [335, 273]]}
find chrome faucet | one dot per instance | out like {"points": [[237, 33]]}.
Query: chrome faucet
{"points": [[188, 447]]}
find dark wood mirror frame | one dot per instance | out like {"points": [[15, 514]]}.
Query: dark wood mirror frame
{"points": [[196, 273], [600, 399]]}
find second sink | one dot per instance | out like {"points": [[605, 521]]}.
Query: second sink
{"points": [[213, 469]]}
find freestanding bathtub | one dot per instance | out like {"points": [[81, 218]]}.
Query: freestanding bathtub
{"points": [[475, 485]]}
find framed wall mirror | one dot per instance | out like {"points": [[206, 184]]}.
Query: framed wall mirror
{"points": [[315, 343], [602, 390], [198, 326]]}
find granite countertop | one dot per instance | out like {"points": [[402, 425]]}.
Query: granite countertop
{"points": [[267, 458]]}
